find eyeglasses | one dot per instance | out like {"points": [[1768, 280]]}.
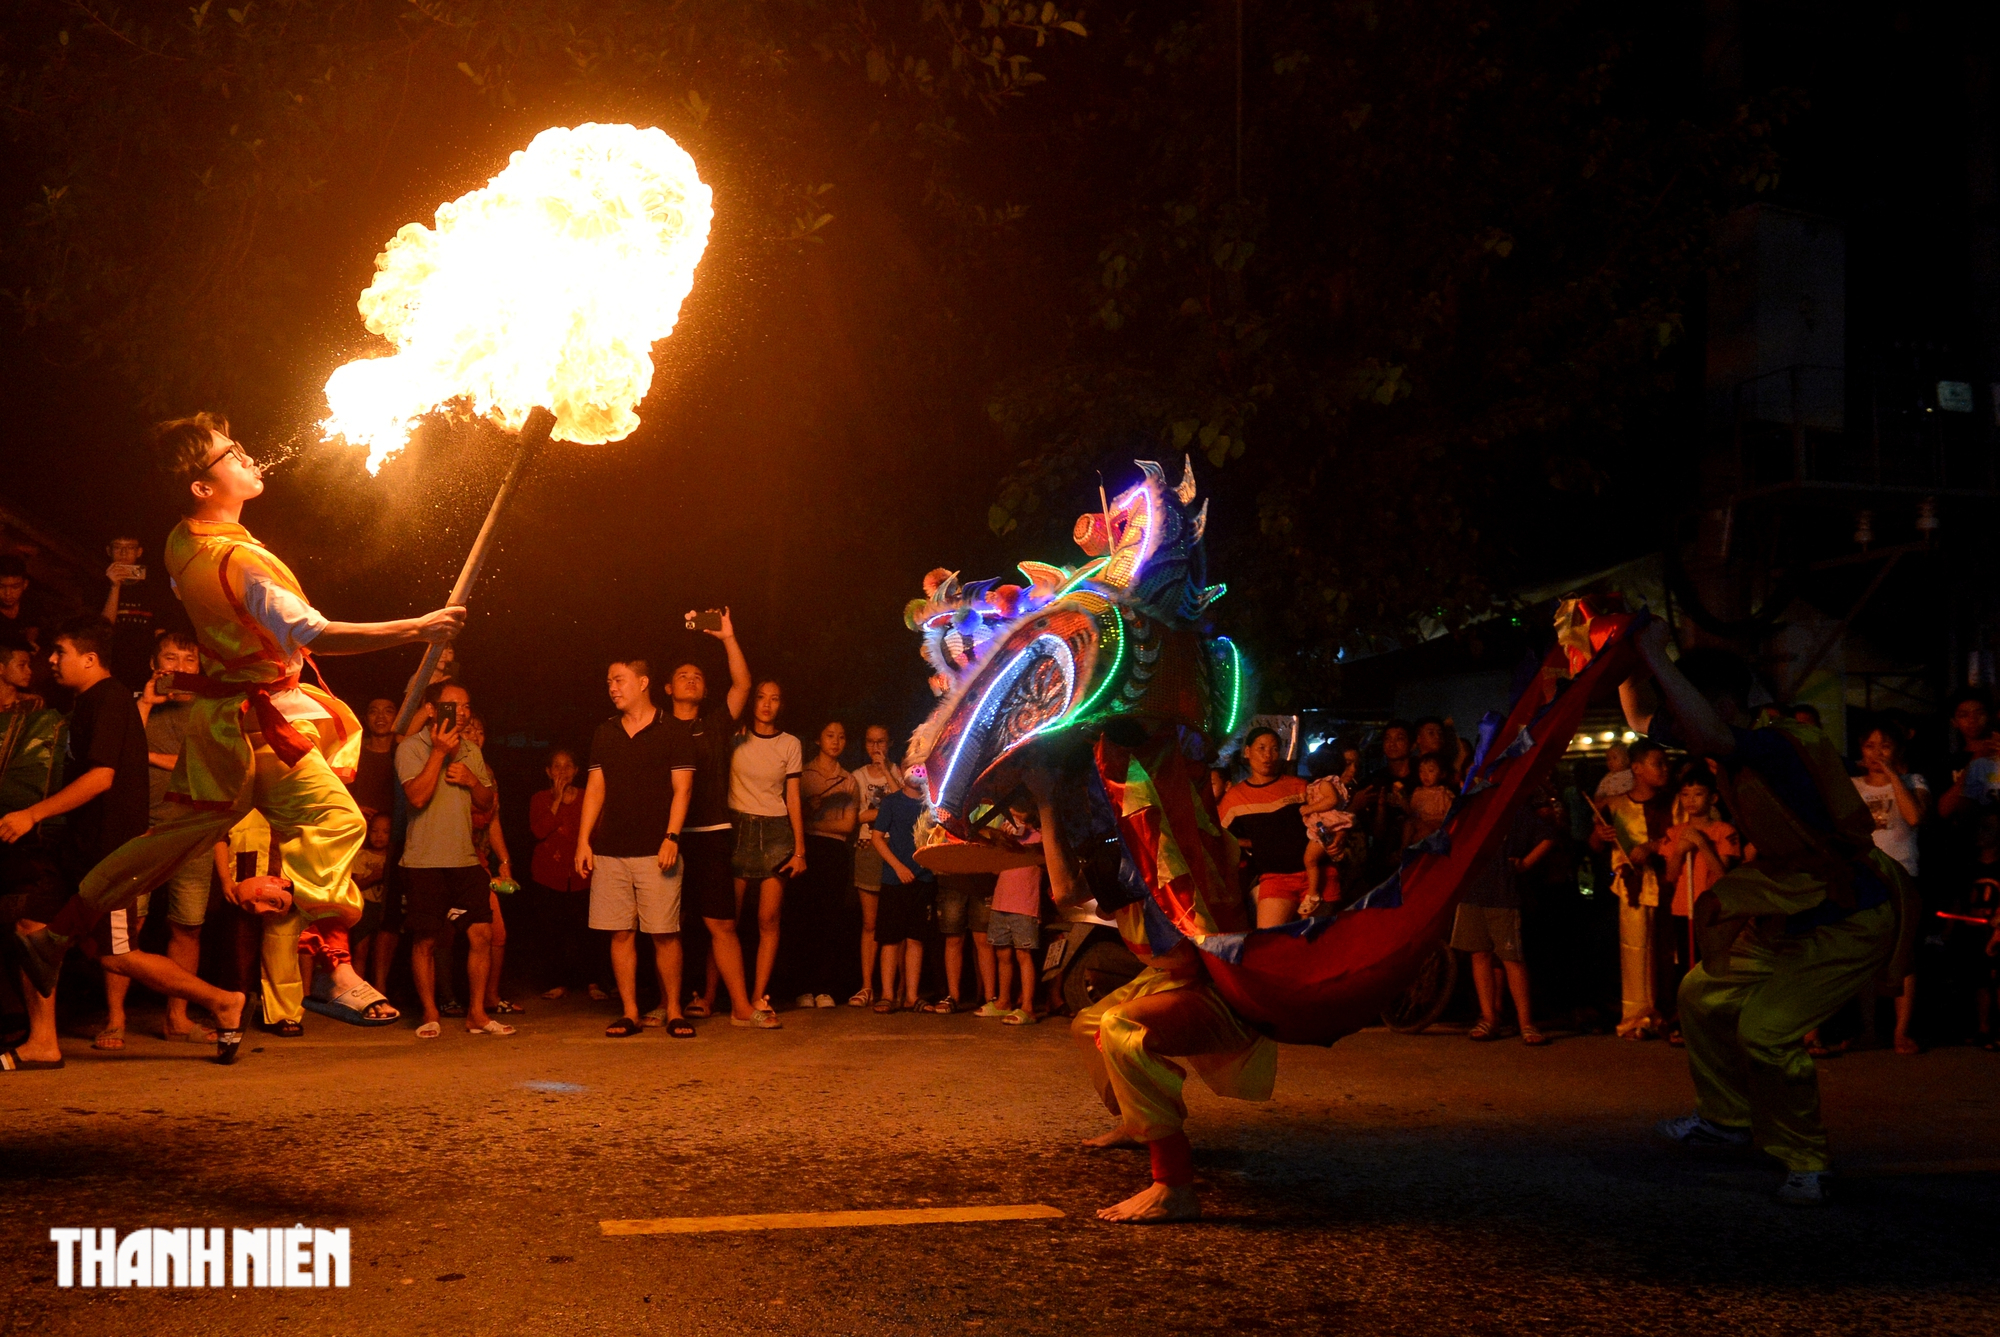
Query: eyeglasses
{"points": [[242, 457]]}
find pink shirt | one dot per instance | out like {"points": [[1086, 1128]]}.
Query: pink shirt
{"points": [[1018, 891]]}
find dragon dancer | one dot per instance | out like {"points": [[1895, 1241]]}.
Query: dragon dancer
{"points": [[1096, 689], [1100, 690], [257, 737]]}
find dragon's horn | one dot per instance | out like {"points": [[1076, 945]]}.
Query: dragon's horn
{"points": [[1042, 575], [1152, 470], [1187, 488], [1200, 519]]}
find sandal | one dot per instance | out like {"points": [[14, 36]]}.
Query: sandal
{"points": [[290, 1030], [110, 1038], [228, 1046], [490, 1028], [680, 1028], [452, 1010], [11, 1061], [1483, 1030], [991, 1008], [699, 1008], [503, 1008], [1020, 1016], [362, 1005], [1533, 1038], [862, 998], [944, 1006], [655, 1019], [430, 1030], [884, 1006], [551, 995], [622, 1028]]}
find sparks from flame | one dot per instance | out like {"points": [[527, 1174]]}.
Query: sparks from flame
{"points": [[547, 286]]}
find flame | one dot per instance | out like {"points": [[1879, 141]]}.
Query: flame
{"points": [[546, 286]]}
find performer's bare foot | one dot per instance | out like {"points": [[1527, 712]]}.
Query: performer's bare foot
{"points": [[1156, 1204], [1116, 1138]]}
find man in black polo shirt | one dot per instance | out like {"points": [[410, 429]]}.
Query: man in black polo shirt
{"points": [[103, 805], [707, 842], [635, 802]]}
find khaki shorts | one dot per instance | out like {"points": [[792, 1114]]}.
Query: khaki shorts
{"points": [[186, 892], [634, 893], [1488, 928]]}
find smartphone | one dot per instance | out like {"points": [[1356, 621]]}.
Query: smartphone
{"points": [[708, 621], [446, 717], [127, 571]]}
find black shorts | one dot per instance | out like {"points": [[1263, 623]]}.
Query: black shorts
{"points": [[39, 883], [437, 898], [706, 880], [904, 910]]}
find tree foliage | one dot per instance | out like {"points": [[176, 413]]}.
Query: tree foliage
{"points": [[1441, 318]]}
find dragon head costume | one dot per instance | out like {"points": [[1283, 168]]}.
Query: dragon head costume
{"points": [[1020, 668]]}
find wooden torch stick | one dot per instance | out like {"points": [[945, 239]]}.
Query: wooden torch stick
{"points": [[534, 435]]}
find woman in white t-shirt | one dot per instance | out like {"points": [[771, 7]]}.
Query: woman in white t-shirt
{"points": [[764, 768], [1899, 803], [876, 779]]}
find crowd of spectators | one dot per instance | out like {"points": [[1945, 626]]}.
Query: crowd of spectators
{"points": [[766, 879]]}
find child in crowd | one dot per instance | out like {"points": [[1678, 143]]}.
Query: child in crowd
{"points": [[1430, 802], [1698, 849], [1015, 926], [1327, 820], [1617, 773], [371, 874], [908, 887]]}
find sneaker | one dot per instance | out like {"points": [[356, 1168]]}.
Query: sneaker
{"points": [[803, 1000], [1804, 1188], [1691, 1130], [823, 1000], [990, 1008]]}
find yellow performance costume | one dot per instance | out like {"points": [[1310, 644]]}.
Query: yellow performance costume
{"points": [[257, 738], [1795, 933], [1131, 1039]]}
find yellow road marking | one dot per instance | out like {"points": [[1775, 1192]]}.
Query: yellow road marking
{"points": [[902, 1216]]}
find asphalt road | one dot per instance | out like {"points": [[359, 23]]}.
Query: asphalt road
{"points": [[1396, 1185]]}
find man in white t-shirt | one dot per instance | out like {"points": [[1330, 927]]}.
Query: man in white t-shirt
{"points": [[764, 805]]}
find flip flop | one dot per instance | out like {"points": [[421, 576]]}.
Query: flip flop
{"points": [[290, 1030], [430, 1030], [655, 1019], [359, 1006], [699, 1009], [551, 995], [491, 1027], [623, 1028], [884, 1006], [228, 1047], [11, 1061], [503, 1008], [110, 1038], [680, 1028]]}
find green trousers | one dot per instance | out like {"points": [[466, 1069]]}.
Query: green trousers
{"points": [[1745, 1020]]}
